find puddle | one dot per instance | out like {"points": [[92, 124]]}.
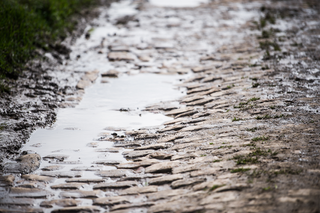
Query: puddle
{"points": [[76, 127], [178, 3]]}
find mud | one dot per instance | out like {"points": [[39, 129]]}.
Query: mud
{"points": [[244, 137]]}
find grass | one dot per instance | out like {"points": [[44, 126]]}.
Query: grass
{"points": [[27, 25], [262, 138], [267, 116], [214, 187], [252, 129], [253, 157], [236, 119], [216, 161], [239, 170], [243, 104]]}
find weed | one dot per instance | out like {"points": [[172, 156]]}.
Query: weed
{"points": [[241, 159], [267, 188], [203, 155], [221, 147], [265, 67], [252, 129], [265, 45], [239, 170], [255, 85], [214, 187], [216, 161], [263, 138], [263, 117], [236, 119], [211, 143]]}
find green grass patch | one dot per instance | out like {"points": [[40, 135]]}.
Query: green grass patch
{"points": [[214, 187], [216, 161], [27, 25], [252, 129], [239, 170], [262, 138], [236, 119]]}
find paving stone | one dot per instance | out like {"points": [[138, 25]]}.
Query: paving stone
{"points": [[165, 179], [136, 154], [193, 128], [60, 202], [161, 155], [38, 178], [88, 168], [140, 176], [161, 167], [219, 197], [171, 128], [210, 184], [130, 165], [65, 174], [182, 206], [201, 69], [24, 164], [203, 89], [107, 162], [79, 209], [85, 180], [16, 210], [183, 156], [108, 201], [20, 192], [211, 79], [139, 190], [304, 192], [154, 146], [58, 157], [207, 171], [52, 168], [131, 205], [187, 168], [67, 186], [120, 56], [115, 185], [186, 182], [7, 201], [200, 102], [111, 73], [81, 194], [176, 112], [233, 187], [116, 173], [7, 180], [174, 121]]}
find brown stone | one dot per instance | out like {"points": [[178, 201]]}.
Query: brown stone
{"points": [[115, 185], [161, 167], [139, 190], [164, 179]]}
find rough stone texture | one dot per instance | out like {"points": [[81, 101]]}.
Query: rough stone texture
{"points": [[25, 164]]}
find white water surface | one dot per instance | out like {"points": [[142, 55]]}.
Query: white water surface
{"points": [[76, 127], [178, 3]]}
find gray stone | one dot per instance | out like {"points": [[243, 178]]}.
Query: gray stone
{"points": [[20, 192], [186, 182], [110, 73], [7, 180], [115, 185], [139, 190], [68, 186], [120, 56], [179, 111], [136, 154], [52, 168], [58, 157], [154, 146], [164, 179], [25, 164], [160, 155], [201, 69], [207, 171], [81, 194], [131, 205], [60, 202], [81, 209], [83, 83], [38, 178], [84, 180], [171, 128], [106, 201], [116, 173], [65, 174], [161, 167], [210, 184], [219, 197], [165, 194], [16, 201], [107, 162], [187, 168]]}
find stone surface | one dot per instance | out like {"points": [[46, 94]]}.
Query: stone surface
{"points": [[81, 194], [24, 164], [20, 192], [61, 202], [68, 186], [79, 209], [115, 185], [113, 173], [139, 190], [120, 56], [162, 167], [165, 179], [38, 178], [109, 201]]}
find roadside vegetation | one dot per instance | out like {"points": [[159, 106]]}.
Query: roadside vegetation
{"points": [[27, 25]]}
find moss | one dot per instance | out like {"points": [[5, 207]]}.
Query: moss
{"points": [[214, 187], [239, 170], [262, 138], [236, 119]]}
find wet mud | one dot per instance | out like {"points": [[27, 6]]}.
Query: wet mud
{"points": [[241, 133]]}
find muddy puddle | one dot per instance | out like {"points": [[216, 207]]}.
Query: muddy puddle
{"points": [[105, 109]]}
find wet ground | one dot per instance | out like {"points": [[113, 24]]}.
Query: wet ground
{"points": [[212, 108]]}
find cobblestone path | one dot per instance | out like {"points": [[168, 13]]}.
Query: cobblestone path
{"points": [[244, 137]]}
